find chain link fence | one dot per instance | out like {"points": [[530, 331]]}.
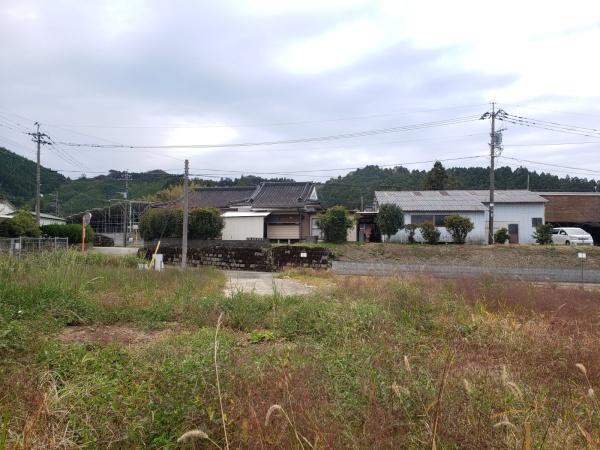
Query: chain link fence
{"points": [[25, 245]]}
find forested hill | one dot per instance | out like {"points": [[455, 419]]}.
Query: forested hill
{"points": [[17, 183], [347, 190], [17, 178]]}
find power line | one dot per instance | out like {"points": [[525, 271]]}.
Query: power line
{"points": [[264, 125], [446, 122], [551, 165], [551, 126]]}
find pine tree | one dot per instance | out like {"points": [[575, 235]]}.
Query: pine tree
{"points": [[437, 178]]}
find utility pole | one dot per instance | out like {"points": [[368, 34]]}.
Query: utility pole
{"points": [[184, 234], [527, 179], [56, 203], [495, 143], [125, 208], [37, 138]]}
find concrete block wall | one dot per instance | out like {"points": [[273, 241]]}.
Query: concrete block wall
{"points": [[246, 255]]}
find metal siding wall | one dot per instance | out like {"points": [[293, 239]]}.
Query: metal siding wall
{"points": [[519, 213], [283, 231], [242, 228], [477, 236]]}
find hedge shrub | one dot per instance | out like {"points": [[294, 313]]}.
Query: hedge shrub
{"points": [[501, 236], [458, 227], [204, 223], [430, 233], [71, 231]]}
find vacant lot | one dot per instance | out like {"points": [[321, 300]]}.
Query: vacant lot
{"points": [[472, 255], [98, 355]]}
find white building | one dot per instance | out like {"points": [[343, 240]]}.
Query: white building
{"points": [[243, 225], [517, 211], [8, 210]]}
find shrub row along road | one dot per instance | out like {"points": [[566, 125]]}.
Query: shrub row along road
{"points": [[523, 273]]}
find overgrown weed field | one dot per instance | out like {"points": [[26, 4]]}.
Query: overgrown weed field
{"points": [[359, 363], [548, 256]]}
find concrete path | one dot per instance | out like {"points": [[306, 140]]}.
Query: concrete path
{"points": [[262, 283], [527, 273]]}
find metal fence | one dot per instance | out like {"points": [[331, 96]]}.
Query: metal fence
{"points": [[24, 245]]}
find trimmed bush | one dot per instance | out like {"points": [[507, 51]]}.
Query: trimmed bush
{"points": [[543, 234], [71, 231], [161, 222], [430, 233], [157, 223], [501, 236], [458, 227], [22, 224], [390, 219], [205, 223], [335, 223]]}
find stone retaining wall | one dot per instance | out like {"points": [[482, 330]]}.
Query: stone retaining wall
{"points": [[242, 255]]}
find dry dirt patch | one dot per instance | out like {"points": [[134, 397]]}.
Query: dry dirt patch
{"points": [[108, 334]]}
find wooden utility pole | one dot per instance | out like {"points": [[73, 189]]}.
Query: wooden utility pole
{"points": [[37, 138], [184, 233]]}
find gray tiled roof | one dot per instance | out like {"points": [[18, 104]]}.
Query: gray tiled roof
{"points": [[281, 195], [453, 200], [219, 197]]}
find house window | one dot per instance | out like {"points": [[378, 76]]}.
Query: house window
{"points": [[535, 221], [439, 220], [418, 219]]}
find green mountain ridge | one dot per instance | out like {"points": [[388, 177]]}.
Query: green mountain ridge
{"points": [[17, 183]]}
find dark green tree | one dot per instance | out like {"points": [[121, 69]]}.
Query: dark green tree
{"points": [[390, 219], [437, 178], [543, 234], [335, 223], [458, 227]]}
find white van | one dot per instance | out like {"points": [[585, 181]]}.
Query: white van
{"points": [[571, 236]]}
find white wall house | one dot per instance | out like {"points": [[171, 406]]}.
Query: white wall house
{"points": [[8, 210], [518, 211], [243, 225]]}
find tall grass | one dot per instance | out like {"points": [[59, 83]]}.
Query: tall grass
{"points": [[360, 363]]}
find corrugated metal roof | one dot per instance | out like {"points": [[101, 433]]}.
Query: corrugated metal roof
{"points": [[453, 200]]}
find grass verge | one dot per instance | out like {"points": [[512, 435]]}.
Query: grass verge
{"points": [[359, 363]]}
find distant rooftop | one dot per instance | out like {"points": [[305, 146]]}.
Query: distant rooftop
{"points": [[454, 200], [219, 197], [272, 194]]}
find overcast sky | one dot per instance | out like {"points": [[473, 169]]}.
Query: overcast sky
{"points": [[223, 72]]}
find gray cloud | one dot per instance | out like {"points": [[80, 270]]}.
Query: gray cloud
{"points": [[166, 63]]}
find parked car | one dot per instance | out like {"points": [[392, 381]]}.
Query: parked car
{"points": [[571, 236]]}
